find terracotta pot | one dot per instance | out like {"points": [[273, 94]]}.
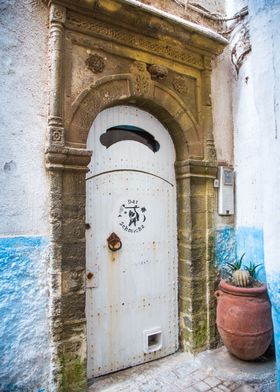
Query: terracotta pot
{"points": [[244, 320]]}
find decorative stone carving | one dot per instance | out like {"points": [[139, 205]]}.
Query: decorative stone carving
{"points": [[56, 135], [56, 50], [140, 66], [95, 63], [207, 63], [186, 87], [211, 153], [134, 40], [142, 79], [180, 84], [157, 71], [57, 14], [68, 164]]}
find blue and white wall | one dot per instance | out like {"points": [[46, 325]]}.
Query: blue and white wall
{"points": [[238, 144], [265, 38], [256, 130], [245, 105], [24, 330]]}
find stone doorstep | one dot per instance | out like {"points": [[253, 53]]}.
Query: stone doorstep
{"points": [[215, 370]]}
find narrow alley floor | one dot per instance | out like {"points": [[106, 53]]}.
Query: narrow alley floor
{"points": [[215, 370]]}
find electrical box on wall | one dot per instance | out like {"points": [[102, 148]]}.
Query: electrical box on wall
{"points": [[226, 191]]}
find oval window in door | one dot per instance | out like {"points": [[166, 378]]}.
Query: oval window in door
{"points": [[129, 132]]}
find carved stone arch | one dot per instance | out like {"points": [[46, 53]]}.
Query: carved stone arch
{"points": [[160, 101], [140, 67], [68, 166]]}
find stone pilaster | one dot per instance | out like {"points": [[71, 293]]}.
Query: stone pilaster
{"points": [[194, 181], [67, 168], [209, 147], [56, 51]]}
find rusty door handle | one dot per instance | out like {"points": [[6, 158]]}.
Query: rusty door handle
{"points": [[114, 242]]}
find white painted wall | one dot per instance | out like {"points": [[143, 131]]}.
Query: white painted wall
{"points": [[247, 142], [23, 119], [265, 39], [247, 149], [232, 7], [24, 326]]}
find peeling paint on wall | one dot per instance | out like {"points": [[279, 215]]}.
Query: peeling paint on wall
{"points": [[225, 249], [24, 342], [249, 240], [231, 243], [259, 5]]}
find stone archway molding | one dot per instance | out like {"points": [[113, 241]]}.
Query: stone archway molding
{"points": [[67, 159], [167, 106], [68, 166]]}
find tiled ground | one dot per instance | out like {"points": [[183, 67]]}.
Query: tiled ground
{"points": [[210, 371]]}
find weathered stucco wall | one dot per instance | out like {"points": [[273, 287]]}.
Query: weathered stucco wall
{"points": [[244, 100], [234, 89], [265, 39], [24, 345], [256, 117]]}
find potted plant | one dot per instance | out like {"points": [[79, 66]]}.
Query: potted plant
{"points": [[244, 312]]}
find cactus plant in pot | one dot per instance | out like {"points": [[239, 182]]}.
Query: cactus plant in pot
{"points": [[244, 312]]}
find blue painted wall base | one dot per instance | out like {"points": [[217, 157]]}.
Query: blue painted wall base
{"points": [[273, 284], [24, 342]]}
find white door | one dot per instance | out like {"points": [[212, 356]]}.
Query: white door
{"points": [[132, 307]]}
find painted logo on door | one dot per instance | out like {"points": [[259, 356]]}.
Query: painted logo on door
{"points": [[132, 216]]}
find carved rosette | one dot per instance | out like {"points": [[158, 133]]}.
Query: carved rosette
{"points": [[142, 78], [95, 63], [56, 131], [56, 135]]}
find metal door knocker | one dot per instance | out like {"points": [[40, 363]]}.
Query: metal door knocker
{"points": [[114, 242]]}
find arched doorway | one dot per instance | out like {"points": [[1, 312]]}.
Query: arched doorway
{"points": [[132, 261]]}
